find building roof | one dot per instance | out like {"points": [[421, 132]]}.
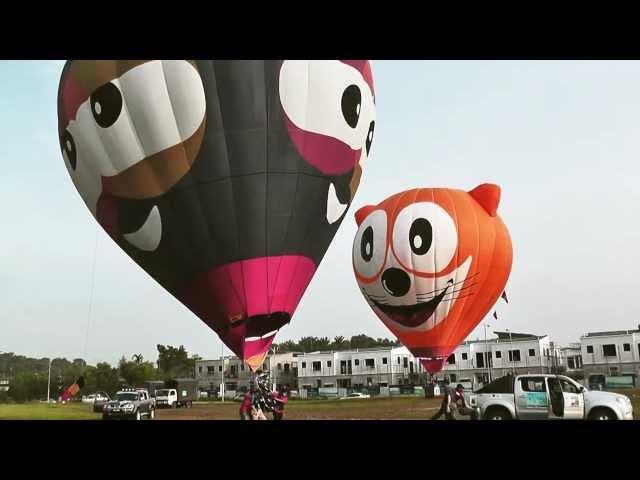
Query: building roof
{"points": [[612, 332], [517, 336], [504, 336]]}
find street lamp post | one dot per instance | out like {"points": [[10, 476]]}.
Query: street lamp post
{"points": [[49, 381], [274, 349], [486, 354], [222, 370]]}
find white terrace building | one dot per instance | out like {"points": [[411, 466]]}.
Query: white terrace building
{"points": [[481, 361], [237, 376], [612, 353], [358, 368]]}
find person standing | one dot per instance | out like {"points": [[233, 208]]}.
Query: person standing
{"points": [[445, 406], [245, 406], [281, 398]]}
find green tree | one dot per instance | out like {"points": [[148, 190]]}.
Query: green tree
{"points": [[136, 372], [175, 362], [28, 386], [106, 378]]}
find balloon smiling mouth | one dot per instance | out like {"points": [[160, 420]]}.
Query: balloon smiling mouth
{"points": [[431, 307], [413, 315]]}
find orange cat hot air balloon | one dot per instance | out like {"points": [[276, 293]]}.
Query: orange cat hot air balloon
{"points": [[431, 262]]}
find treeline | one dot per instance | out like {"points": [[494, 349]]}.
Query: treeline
{"points": [[28, 376], [313, 344]]}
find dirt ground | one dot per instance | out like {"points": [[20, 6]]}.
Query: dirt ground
{"points": [[409, 408]]}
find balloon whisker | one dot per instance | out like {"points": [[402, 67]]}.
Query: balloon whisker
{"points": [[454, 284], [453, 291]]}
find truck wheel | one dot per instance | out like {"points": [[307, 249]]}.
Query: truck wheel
{"points": [[104, 416], [152, 414], [602, 414], [174, 405], [497, 413], [138, 416], [190, 404]]}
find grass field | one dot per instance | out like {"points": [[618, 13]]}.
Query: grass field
{"points": [[397, 408], [42, 411]]}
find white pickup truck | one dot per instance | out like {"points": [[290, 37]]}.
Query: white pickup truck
{"points": [[547, 397]]}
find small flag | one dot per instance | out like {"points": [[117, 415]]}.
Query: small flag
{"points": [[504, 296], [495, 315]]}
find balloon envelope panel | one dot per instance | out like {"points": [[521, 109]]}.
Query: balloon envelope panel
{"points": [[431, 262], [224, 180]]}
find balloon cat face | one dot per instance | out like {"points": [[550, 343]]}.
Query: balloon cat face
{"points": [[431, 262], [225, 180]]}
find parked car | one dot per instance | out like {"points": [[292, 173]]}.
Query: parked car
{"points": [[89, 398], [355, 395], [100, 401], [131, 404], [544, 396]]}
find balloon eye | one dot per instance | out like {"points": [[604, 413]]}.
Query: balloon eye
{"points": [[369, 140], [69, 148], [366, 244], [420, 236], [106, 105], [351, 103]]}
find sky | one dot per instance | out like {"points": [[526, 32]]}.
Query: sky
{"points": [[561, 138]]}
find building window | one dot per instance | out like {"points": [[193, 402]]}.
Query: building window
{"points": [[219, 368], [589, 348], [384, 360], [532, 352], [452, 359], [514, 355], [464, 356], [316, 366], [369, 362], [279, 366], [498, 354], [571, 363], [405, 362], [304, 364], [479, 360], [329, 363], [626, 347], [286, 367], [356, 362], [453, 377], [211, 370], [609, 350], [199, 369]]}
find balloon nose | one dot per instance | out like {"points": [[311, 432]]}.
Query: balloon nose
{"points": [[396, 282]]}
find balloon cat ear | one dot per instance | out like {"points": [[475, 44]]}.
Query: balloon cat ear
{"points": [[487, 195], [363, 213]]}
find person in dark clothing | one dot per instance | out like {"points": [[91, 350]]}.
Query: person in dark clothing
{"points": [[281, 398], [445, 406]]}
